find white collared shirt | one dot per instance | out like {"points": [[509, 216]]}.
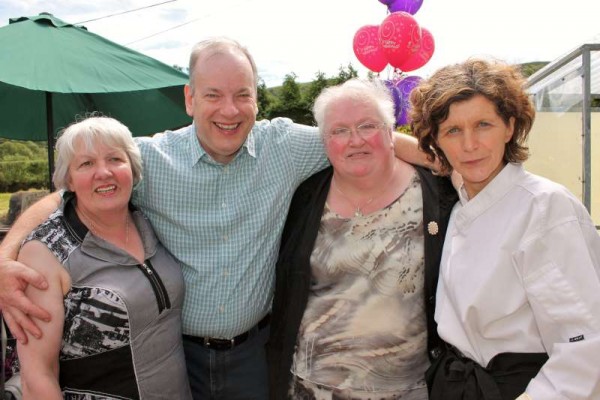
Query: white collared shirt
{"points": [[520, 272]]}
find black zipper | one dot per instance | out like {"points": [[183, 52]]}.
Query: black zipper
{"points": [[162, 297]]}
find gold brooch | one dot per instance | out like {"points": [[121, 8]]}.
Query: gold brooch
{"points": [[433, 228]]}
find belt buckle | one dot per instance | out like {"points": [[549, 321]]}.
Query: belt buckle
{"points": [[218, 344]]}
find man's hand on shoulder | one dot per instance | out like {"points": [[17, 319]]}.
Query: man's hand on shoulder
{"points": [[17, 309]]}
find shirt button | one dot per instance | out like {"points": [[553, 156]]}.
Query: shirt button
{"points": [[225, 237], [221, 309], [432, 300], [224, 205], [225, 273], [436, 353]]}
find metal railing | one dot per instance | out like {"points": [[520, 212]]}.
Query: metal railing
{"points": [[544, 79]]}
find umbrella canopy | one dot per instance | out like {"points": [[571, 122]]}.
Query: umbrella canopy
{"points": [[52, 72]]}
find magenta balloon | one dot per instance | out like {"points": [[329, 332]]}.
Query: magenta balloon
{"points": [[423, 55], [405, 86], [409, 6], [399, 37], [367, 50]]}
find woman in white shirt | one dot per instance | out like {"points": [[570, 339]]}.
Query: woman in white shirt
{"points": [[518, 299]]}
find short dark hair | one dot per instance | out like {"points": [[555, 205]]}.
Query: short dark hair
{"points": [[500, 83]]}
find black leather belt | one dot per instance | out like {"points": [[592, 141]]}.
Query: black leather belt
{"points": [[227, 344]]}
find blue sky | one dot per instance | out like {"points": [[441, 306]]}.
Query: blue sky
{"points": [[306, 36]]}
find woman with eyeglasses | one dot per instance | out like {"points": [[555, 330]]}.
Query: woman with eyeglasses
{"points": [[358, 262]]}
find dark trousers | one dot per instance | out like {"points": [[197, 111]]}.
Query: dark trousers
{"points": [[454, 377], [238, 373]]}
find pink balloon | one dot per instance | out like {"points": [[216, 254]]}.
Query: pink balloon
{"points": [[422, 56], [367, 50], [399, 37], [409, 6]]}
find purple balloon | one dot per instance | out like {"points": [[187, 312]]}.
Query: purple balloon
{"points": [[405, 86], [386, 2], [402, 116], [409, 6], [391, 85]]}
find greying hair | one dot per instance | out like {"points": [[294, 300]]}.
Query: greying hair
{"points": [[92, 130], [218, 45], [367, 91], [500, 83]]}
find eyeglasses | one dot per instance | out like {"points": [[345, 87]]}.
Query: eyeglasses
{"points": [[365, 130]]}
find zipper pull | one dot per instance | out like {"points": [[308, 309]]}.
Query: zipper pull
{"points": [[148, 270]]}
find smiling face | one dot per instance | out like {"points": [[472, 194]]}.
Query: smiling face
{"points": [[222, 102], [100, 177], [473, 139], [356, 156]]}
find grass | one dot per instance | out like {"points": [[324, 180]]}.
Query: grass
{"points": [[4, 198]]}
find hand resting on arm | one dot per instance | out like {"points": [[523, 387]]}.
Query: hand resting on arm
{"points": [[17, 309]]}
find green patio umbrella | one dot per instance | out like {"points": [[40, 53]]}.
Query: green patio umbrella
{"points": [[52, 72]]}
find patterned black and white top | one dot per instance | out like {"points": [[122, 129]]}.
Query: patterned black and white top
{"points": [[122, 330], [364, 334]]}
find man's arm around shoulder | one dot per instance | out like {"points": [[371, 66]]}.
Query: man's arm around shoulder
{"points": [[14, 276], [406, 148]]}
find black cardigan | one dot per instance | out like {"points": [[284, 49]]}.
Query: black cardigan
{"points": [[293, 273]]}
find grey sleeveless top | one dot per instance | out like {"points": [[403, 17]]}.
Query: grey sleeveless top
{"points": [[122, 330]]}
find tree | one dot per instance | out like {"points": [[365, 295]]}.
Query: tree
{"points": [[289, 102], [346, 74], [263, 99], [530, 68], [314, 89], [15, 151], [23, 165], [290, 93]]}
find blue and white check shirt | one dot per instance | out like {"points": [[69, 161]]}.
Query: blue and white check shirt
{"points": [[223, 221]]}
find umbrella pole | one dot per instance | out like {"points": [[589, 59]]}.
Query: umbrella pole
{"points": [[50, 133]]}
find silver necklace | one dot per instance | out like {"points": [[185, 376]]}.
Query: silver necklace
{"points": [[94, 230], [357, 208]]}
